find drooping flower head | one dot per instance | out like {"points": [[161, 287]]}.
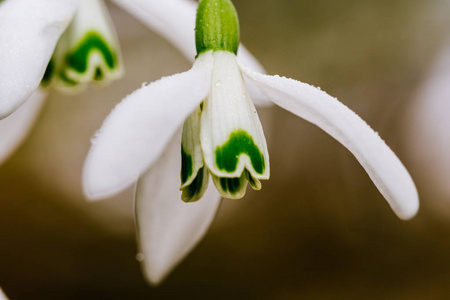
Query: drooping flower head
{"points": [[209, 109], [88, 50], [223, 136]]}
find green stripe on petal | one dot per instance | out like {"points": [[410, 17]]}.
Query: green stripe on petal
{"points": [[231, 188], [191, 152], [78, 59], [240, 142], [195, 190], [186, 166], [254, 183]]}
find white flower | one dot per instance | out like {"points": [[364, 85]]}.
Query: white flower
{"points": [[222, 136], [68, 43]]}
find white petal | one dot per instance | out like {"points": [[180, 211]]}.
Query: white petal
{"points": [[136, 132], [190, 142], [16, 126], [168, 227], [229, 115], [175, 21], [382, 165], [258, 97], [29, 30]]}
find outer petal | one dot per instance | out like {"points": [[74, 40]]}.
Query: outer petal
{"points": [[258, 97], [15, 128], [319, 108], [2, 295], [139, 128], [175, 21], [29, 30], [231, 134], [429, 131], [168, 227]]}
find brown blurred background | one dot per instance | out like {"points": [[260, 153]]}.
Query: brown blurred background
{"points": [[318, 229]]}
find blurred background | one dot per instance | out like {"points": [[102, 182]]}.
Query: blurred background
{"points": [[318, 229]]}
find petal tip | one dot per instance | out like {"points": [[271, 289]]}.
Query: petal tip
{"points": [[409, 210]]}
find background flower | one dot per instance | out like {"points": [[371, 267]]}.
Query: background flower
{"points": [[338, 239]]}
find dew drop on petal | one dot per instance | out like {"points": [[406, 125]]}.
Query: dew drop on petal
{"points": [[140, 257]]}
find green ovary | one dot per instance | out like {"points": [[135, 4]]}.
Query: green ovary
{"points": [[240, 142], [78, 58]]}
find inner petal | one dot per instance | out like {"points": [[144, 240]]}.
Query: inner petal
{"points": [[87, 51], [194, 176], [231, 134]]}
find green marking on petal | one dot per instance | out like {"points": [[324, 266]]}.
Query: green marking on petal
{"points": [[231, 185], [67, 81], [231, 188], [240, 142], [92, 41], [49, 72], [194, 191], [254, 183], [186, 166]]}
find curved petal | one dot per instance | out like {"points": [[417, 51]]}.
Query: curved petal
{"points": [[382, 165], [172, 19], [429, 131], [15, 127], [29, 30], [168, 227], [175, 21], [138, 129]]}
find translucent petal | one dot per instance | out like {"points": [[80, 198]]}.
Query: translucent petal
{"points": [[29, 30], [231, 133], [16, 126], [384, 168], [168, 227], [175, 21], [136, 132]]}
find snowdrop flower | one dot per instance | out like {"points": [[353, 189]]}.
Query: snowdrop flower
{"points": [[210, 111], [68, 46]]}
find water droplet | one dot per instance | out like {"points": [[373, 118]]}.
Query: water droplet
{"points": [[218, 83], [94, 138], [140, 257]]}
